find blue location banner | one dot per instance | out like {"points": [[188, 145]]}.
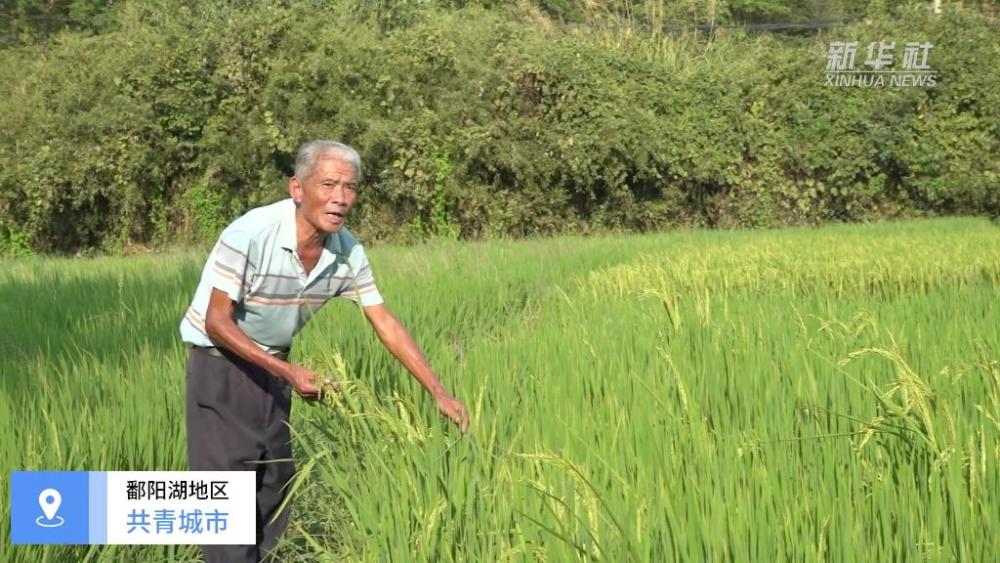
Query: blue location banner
{"points": [[49, 507], [133, 507]]}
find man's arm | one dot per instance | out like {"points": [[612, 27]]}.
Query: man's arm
{"points": [[222, 330], [397, 340]]}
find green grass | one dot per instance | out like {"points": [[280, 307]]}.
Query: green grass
{"points": [[807, 394]]}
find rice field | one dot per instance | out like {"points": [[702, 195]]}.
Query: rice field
{"points": [[807, 394]]}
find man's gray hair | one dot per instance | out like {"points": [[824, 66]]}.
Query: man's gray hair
{"points": [[305, 160]]}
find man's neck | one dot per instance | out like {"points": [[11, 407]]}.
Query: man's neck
{"points": [[306, 236]]}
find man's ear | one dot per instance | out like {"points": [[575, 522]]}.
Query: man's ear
{"points": [[295, 190]]}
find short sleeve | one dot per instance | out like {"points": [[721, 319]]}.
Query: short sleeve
{"points": [[233, 264], [362, 285]]}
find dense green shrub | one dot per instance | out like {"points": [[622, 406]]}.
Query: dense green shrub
{"points": [[479, 123]]}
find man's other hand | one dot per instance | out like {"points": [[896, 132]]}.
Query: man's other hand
{"points": [[303, 381], [453, 409]]}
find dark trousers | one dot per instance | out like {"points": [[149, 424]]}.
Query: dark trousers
{"points": [[237, 417]]}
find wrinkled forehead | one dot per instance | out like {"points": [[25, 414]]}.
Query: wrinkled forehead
{"points": [[333, 165]]}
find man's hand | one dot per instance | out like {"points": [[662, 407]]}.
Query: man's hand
{"points": [[302, 380], [453, 409]]}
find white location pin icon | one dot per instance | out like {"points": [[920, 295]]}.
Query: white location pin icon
{"points": [[49, 500]]}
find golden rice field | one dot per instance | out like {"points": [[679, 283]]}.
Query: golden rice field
{"points": [[794, 395]]}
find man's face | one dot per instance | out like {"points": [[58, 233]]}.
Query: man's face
{"points": [[327, 195]]}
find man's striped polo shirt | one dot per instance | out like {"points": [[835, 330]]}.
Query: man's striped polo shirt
{"points": [[256, 263]]}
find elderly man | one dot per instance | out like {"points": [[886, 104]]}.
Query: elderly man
{"points": [[269, 272]]}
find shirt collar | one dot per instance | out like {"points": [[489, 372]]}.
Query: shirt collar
{"points": [[333, 244], [288, 238]]}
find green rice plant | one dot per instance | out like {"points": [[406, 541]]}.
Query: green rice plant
{"points": [[801, 394]]}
